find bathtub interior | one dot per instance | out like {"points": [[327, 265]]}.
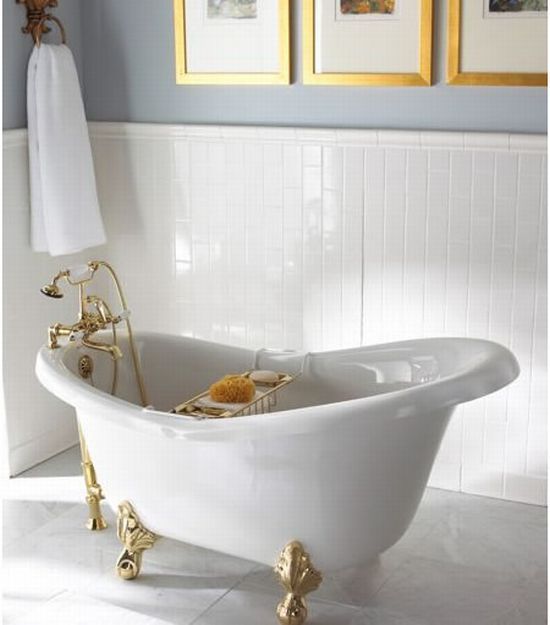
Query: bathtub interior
{"points": [[178, 368]]}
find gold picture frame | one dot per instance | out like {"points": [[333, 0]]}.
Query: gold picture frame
{"points": [[497, 79], [421, 79], [184, 77]]}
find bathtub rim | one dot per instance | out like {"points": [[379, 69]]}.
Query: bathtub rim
{"points": [[497, 368]]}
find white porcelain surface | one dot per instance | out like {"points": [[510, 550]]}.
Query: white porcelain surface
{"points": [[434, 575], [314, 239], [341, 465]]}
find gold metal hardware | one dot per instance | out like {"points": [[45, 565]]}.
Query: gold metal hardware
{"points": [[85, 366], [263, 402], [93, 489], [95, 315], [135, 539], [37, 18], [298, 578]]}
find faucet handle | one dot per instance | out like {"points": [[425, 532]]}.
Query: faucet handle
{"points": [[80, 273], [76, 336], [122, 316]]}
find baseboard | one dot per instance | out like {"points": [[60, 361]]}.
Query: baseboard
{"points": [[487, 482], [35, 451]]}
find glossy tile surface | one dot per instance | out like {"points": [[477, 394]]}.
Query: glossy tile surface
{"points": [[465, 560]]}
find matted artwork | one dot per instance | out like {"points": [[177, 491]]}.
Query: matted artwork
{"points": [[232, 42], [497, 42], [367, 42], [232, 9], [367, 7], [516, 6]]}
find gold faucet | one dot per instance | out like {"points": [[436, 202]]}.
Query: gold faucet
{"points": [[94, 315]]}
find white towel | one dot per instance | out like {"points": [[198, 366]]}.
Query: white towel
{"points": [[65, 215]]}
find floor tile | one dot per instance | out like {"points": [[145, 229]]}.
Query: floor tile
{"points": [[162, 593], [445, 593], [248, 604], [82, 610], [463, 561], [61, 555], [65, 463], [20, 518]]}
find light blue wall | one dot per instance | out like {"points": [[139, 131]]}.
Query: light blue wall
{"points": [[129, 75], [16, 51], [125, 48]]}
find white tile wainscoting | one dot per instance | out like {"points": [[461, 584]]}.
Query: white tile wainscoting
{"points": [[316, 239]]}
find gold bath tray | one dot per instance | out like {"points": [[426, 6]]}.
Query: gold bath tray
{"points": [[201, 407]]}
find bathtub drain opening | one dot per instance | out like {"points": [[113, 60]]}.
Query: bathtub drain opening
{"points": [[85, 366]]}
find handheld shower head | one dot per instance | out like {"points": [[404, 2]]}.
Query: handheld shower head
{"points": [[52, 290]]}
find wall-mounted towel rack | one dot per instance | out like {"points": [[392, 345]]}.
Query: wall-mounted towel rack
{"points": [[37, 18]]}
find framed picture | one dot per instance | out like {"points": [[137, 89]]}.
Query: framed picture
{"points": [[367, 42], [232, 42], [497, 42]]}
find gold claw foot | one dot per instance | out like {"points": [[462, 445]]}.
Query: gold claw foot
{"points": [[298, 578], [135, 538]]}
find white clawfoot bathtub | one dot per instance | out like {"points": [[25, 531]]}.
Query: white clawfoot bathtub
{"points": [[341, 466]]}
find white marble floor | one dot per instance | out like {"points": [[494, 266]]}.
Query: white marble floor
{"points": [[464, 561]]}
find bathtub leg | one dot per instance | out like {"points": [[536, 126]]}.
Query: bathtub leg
{"points": [[135, 539], [298, 578], [93, 489]]}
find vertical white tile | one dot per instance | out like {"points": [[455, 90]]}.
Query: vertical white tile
{"points": [[352, 246], [217, 163], [436, 249], [332, 268], [415, 243], [333, 167], [312, 233], [456, 297], [473, 433], [461, 174], [273, 174], [293, 289], [373, 250], [440, 160], [506, 174], [274, 244], [312, 155], [501, 289], [395, 215], [180, 163], [256, 261], [292, 166]]}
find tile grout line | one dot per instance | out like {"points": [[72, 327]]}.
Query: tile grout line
{"points": [[228, 590]]}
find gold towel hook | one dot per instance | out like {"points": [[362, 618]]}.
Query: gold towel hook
{"points": [[37, 18]]}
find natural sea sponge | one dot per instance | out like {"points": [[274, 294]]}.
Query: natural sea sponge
{"points": [[233, 389]]}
